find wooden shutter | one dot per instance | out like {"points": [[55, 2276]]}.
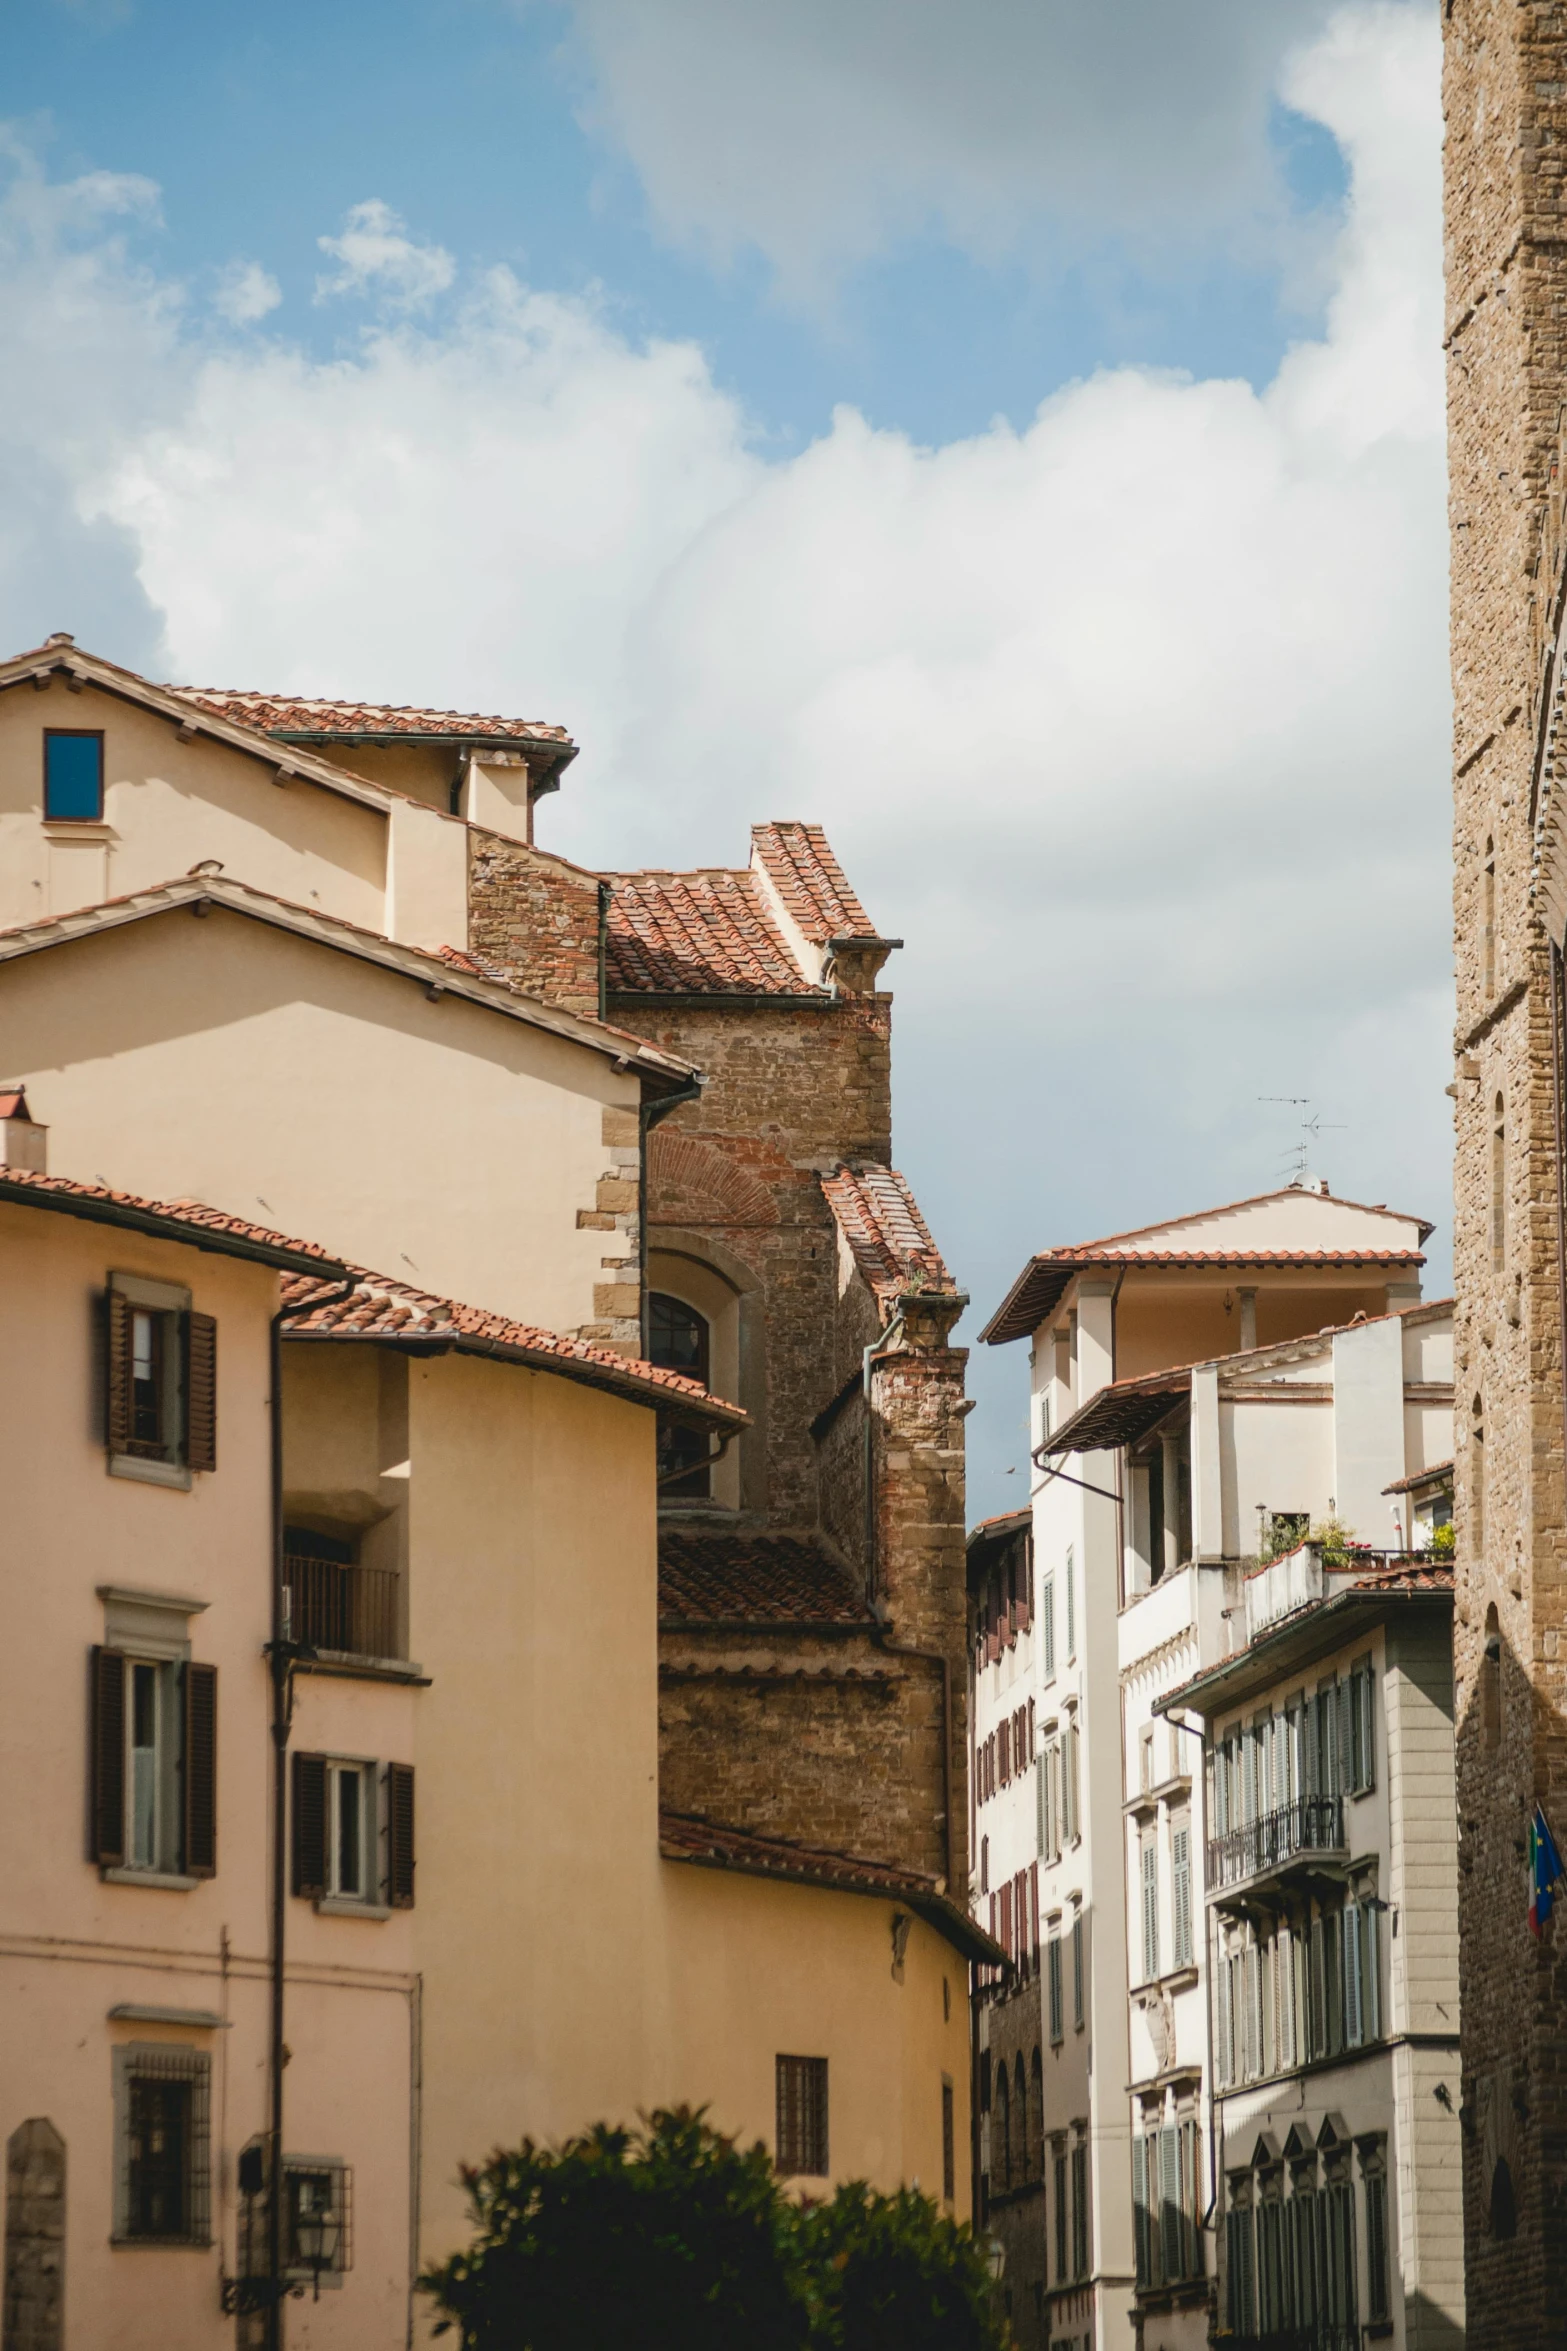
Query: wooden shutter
{"points": [[1141, 2234], [201, 1771], [400, 1835], [106, 1759], [310, 1824], [117, 1359], [201, 1392]]}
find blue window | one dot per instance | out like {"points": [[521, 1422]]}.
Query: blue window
{"points": [[73, 778]]}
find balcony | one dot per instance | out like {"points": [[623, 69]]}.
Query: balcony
{"points": [[1301, 1840], [1325, 2337], [340, 1607]]}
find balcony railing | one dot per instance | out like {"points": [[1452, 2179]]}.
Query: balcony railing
{"points": [[1311, 1824], [1325, 2337], [350, 1609]]}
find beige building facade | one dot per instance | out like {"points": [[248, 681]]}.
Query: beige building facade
{"points": [[597, 1795]]}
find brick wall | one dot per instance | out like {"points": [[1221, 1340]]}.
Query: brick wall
{"points": [[537, 917], [1505, 99]]}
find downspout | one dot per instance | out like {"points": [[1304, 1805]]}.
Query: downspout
{"points": [[1198, 1731], [606, 892], [280, 1656]]}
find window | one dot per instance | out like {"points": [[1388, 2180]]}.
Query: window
{"points": [[1150, 1905], [1240, 2297], [1077, 1970], [162, 2173], [1001, 2129], [1145, 1762], [802, 2116], [1047, 1801], [949, 2143], [1181, 1892], [1488, 921], [1047, 1620], [1053, 1971], [73, 776], [1373, 2167], [679, 1339], [1167, 2203], [1499, 1184], [161, 1361], [1058, 2169], [152, 1765], [1362, 1729], [1071, 1822], [1071, 1605], [317, 2187], [1491, 1679], [1079, 2208], [353, 1829]]}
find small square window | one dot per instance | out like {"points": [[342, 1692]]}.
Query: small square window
{"points": [[73, 777], [162, 2099], [802, 2117]]}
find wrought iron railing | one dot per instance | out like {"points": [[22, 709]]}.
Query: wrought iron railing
{"points": [[1325, 2337], [1311, 1824], [347, 1608]]}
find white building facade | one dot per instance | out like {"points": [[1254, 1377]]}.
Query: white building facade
{"points": [[1088, 1809]]}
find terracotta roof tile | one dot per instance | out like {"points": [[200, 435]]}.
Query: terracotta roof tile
{"points": [[811, 882], [381, 1308], [709, 1578], [889, 1238], [697, 934], [186, 1219], [301, 714], [686, 1836]]}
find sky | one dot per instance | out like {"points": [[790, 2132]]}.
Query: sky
{"points": [[1010, 436]]}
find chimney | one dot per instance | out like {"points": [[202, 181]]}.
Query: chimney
{"points": [[23, 1143]]}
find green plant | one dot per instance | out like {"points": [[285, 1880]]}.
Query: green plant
{"points": [[673, 2238], [1339, 1547], [1444, 1542]]}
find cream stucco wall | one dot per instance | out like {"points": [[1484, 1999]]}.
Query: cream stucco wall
{"points": [[168, 804], [226, 1061]]}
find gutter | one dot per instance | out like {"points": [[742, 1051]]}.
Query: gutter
{"points": [[168, 1228]]}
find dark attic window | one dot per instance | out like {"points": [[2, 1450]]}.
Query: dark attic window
{"points": [[73, 776]]}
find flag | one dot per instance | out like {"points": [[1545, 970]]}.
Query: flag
{"points": [[1545, 1871]]}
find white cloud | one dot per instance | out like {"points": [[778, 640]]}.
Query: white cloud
{"points": [[1133, 722], [245, 292], [375, 257], [819, 132]]}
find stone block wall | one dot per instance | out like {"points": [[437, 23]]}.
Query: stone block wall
{"points": [[537, 918], [1505, 102]]}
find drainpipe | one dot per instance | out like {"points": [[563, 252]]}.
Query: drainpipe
{"points": [[1198, 1731], [606, 892], [280, 1656]]}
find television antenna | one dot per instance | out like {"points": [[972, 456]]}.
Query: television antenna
{"points": [[1298, 1165]]}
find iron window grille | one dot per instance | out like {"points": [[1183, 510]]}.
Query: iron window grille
{"points": [[802, 2116], [163, 2167]]}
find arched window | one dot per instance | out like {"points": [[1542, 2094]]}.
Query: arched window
{"points": [[1488, 920], [1477, 1481], [1020, 2120], [1499, 1184], [1002, 2125], [1491, 1681], [678, 1339]]}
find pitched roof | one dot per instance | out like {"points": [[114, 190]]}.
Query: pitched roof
{"points": [[1440, 1473], [446, 971], [697, 934], [309, 718], [685, 1836], [888, 1238], [708, 1578], [389, 1312], [1191, 1243], [811, 882], [189, 1221]]}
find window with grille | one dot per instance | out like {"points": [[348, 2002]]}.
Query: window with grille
{"points": [[315, 2188], [802, 2117], [162, 2101], [679, 1339]]}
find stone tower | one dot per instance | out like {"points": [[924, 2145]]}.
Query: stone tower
{"points": [[1505, 104]]}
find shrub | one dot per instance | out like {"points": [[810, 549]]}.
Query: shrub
{"points": [[671, 2238]]}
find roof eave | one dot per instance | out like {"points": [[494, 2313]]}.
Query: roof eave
{"points": [[173, 1228], [714, 1414], [967, 1938], [1295, 1640]]}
